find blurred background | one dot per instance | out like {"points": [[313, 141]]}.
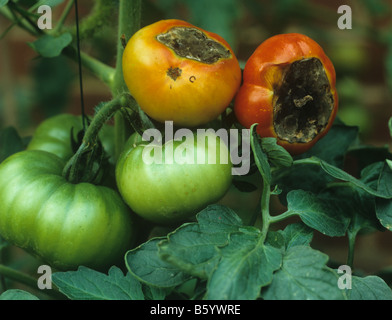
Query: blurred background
{"points": [[34, 88]]}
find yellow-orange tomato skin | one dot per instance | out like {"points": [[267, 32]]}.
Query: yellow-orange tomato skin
{"points": [[194, 94]]}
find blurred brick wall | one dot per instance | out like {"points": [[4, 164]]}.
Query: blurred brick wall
{"points": [[16, 59]]}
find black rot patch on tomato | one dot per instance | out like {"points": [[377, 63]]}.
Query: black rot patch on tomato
{"points": [[174, 73], [193, 44], [303, 101]]}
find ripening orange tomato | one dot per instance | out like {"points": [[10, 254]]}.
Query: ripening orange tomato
{"points": [[181, 73], [289, 90]]}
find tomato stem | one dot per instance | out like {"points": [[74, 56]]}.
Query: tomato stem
{"points": [[351, 246], [63, 16], [27, 280], [128, 24], [78, 162], [265, 210]]}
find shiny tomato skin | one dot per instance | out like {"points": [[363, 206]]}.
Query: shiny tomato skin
{"points": [[254, 102], [166, 193], [54, 135], [197, 94], [65, 225]]}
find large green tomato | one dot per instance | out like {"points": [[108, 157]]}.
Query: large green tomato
{"points": [[180, 185], [54, 135], [65, 224]]}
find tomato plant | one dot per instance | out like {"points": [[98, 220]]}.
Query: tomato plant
{"points": [[289, 90], [121, 200], [168, 189], [194, 74]]}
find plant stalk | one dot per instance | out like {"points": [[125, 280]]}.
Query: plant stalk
{"points": [[128, 24]]}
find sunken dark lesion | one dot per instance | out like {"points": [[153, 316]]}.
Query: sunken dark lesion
{"points": [[193, 44], [303, 101]]}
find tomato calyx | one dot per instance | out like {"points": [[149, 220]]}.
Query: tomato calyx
{"points": [[303, 101], [193, 44]]}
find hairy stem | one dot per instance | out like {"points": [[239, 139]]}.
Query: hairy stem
{"points": [[265, 210]]}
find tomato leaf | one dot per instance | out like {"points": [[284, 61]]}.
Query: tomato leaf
{"points": [[333, 147], [193, 247], [146, 265], [17, 294], [246, 266], [276, 154], [297, 234], [344, 176], [303, 276], [218, 248], [88, 284], [317, 213], [369, 288], [384, 206], [49, 46]]}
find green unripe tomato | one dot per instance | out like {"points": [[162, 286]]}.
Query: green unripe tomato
{"points": [[54, 135], [179, 186], [65, 224]]}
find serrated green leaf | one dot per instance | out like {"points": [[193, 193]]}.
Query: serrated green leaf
{"points": [[384, 206], [384, 185], [17, 294], [297, 234], [333, 147], [303, 276], [218, 219], [88, 284], [317, 213], [246, 266], [49, 46], [354, 204], [370, 288], [276, 154], [193, 247], [344, 176], [146, 265], [191, 250]]}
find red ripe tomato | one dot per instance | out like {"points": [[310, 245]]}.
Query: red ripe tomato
{"points": [[181, 73], [289, 90]]}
